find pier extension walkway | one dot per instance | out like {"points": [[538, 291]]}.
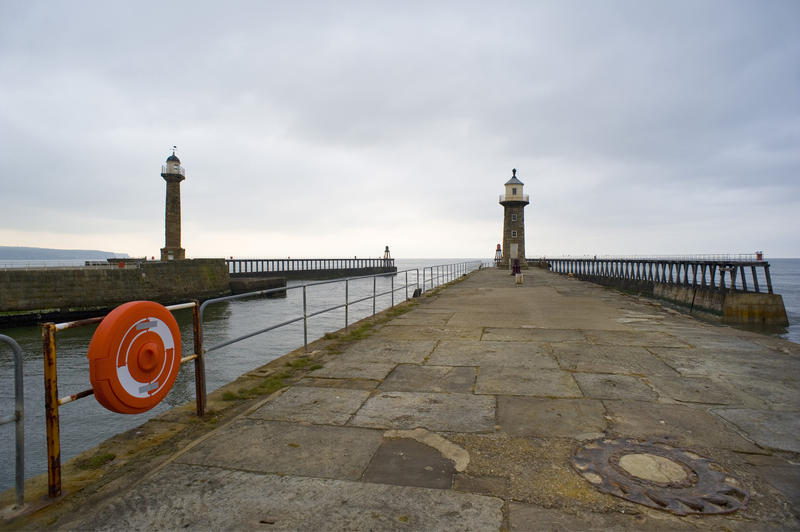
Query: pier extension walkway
{"points": [[464, 413]]}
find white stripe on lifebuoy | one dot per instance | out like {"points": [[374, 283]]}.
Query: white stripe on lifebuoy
{"points": [[143, 390]]}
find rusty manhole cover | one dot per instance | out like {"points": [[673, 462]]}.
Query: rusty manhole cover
{"points": [[659, 476]]}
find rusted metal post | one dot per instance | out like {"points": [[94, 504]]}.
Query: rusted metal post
{"points": [[51, 410], [199, 362]]}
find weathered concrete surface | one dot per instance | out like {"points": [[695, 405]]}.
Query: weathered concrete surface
{"points": [[512, 379]]}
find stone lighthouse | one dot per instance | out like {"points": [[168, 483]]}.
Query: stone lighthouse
{"points": [[173, 173], [514, 203]]}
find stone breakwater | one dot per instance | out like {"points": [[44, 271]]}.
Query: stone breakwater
{"points": [[33, 295], [465, 412]]}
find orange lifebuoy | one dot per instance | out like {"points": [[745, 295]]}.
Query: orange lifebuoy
{"points": [[134, 357]]}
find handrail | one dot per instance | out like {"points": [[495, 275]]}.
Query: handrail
{"points": [[242, 266], [671, 271], [18, 418], [304, 317]]}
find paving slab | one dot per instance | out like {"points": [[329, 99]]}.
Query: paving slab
{"points": [[512, 381], [192, 497], [765, 364], [483, 485], [353, 384], [488, 353], [775, 393], [525, 517], [411, 378], [345, 369], [409, 332], [786, 480], [384, 351], [774, 430], [605, 386], [680, 425], [506, 334], [535, 417], [627, 360], [288, 448], [447, 412], [692, 389], [439, 319], [406, 462], [635, 338], [329, 406]]}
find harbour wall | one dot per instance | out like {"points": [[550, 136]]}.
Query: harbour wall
{"points": [[740, 308], [27, 296]]}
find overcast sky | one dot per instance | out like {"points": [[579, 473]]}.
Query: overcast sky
{"points": [[336, 128]]}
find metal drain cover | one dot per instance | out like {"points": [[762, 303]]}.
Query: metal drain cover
{"points": [[660, 476]]}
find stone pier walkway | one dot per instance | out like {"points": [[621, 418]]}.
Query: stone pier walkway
{"points": [[463, 414]]}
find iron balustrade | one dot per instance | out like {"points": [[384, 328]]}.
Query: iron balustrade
{"points": [[240, 266], [514, 197], [707, 274], [444, 273], [18, 418], [439, 275]]}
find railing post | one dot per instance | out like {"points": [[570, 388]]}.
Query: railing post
{"points": [[51, 410], [406, 285], [19, 421], [346, 301], [374, 292], [392, 279], [199, 362], [769, 279], [755, 278], [305, 321]]}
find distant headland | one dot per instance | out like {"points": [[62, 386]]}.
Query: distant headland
{"points": [[28, 253]]}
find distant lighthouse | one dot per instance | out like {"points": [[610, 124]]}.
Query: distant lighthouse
{"points": [[514, 203], [173, 173]]}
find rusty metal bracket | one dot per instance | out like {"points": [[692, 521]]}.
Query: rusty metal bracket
{"points": [[670, 479]]}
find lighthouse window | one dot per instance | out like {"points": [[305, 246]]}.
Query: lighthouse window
{"points": [[513, 234], [513, 191], [513, 217]]}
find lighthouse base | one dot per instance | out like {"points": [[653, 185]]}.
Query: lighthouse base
{"points": [[173, 254]]}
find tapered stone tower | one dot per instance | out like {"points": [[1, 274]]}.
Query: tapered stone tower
{"points": [[514, 203], [173, 173]]}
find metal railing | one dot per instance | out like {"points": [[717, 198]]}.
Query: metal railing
{"points": [[695, 273], [514, 197], [439, 275], [718, 257], [171, 169], [444, 273], [18, 418], [240, 266]]}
